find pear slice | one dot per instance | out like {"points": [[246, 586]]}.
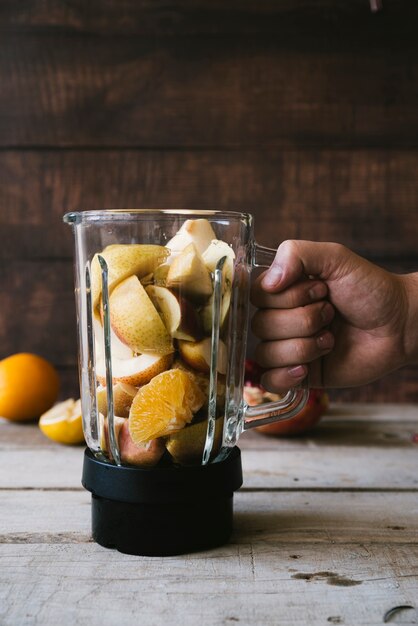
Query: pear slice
{"points": [[135, 319], [160, 274], [212, 255], [189, 275], [186, 445], [123, 260], [206, 313], [137, 371], [199, 232], [123, 394], [119, 350], [197, 354], [178, 314]]}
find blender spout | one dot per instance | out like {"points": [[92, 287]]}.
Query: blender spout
{"points": [[72, 218]]}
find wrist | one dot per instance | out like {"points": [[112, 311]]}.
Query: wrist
{"points": [[410, 338]]}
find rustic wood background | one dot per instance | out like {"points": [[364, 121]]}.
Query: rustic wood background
{"points": [[303, 112]]}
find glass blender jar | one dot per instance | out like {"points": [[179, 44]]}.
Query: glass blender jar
{"points": [[162, 310]]}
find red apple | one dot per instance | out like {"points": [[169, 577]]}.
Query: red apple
{"points": [[302, 422]]}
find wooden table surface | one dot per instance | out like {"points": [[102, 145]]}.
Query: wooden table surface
{"points": [[326, 532]]}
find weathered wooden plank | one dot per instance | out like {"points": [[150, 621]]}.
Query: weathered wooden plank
{"points": [[75, 584], [339, 468], [132, 17], [267, 517], [291, 467], [78, 584], [44, 467], [38, 310], [237, 91], [339, 454], [381, 425], [364, 199]]}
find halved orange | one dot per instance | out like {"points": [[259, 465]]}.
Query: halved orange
{"points": [[164, 405], [63, 423]]}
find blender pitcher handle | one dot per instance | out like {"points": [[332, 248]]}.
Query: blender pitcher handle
{"points": [[296, 398]]}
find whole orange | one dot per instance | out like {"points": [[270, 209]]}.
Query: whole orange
{"points": [[29, 386]]}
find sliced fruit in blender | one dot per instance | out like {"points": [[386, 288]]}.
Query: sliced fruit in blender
{"points": [[186, 446], [206, 312], [197, 354], [199, 232], [138, 370], [160, 275], [119, 349], [177, 313], [104, 432], [143, 455], [164, 405], [190, 276], [203, 382], [212, 255], [123, 260], [123, 395], [135, 320]]}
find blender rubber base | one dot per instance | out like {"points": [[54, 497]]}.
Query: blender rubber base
{"points": [[162, 511]]}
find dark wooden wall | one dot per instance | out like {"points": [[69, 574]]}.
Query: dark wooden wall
{"points": [[303, 112]]}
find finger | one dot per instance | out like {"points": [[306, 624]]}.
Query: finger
{"points": [[281, 379], [297, 259], [274, 324], [300, 294], [293, 352]]}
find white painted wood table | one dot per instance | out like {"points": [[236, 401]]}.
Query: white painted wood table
{"points": [[326, 532]]}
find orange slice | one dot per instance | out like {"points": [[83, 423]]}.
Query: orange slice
{"points": [[163, 406]]}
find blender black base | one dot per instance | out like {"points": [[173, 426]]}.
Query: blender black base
{"points": [[161, 530], [162, 511]]}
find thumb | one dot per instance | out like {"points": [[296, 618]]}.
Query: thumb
{"points": [[296, 259]]}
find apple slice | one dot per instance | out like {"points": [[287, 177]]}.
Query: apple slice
{"points": [[197, 354], [104, 431], [123, 260], [137, 371], [145, 455], [179, 316], [189, 275], [199, 232], [123, 394], [135, 319]]}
